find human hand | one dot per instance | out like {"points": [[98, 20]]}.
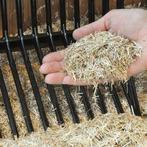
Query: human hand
{"points": [[131, 23]]}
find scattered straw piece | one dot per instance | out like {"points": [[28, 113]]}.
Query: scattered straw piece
{"points": [[100, 57]]}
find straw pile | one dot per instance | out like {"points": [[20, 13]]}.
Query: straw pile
{"points": [[103, 131], [100, 57]]}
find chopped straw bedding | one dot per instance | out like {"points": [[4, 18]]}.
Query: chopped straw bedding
{"points": [[103, 131]]}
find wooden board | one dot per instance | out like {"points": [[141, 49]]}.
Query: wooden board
{"points": [[55, 11]]}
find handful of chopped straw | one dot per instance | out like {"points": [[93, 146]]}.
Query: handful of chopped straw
{"points": [[100, 57]]}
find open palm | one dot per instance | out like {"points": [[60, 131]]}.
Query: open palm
{"points": [[131, 23]]}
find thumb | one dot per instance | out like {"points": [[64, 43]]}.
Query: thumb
{"points": [[101, 25]]}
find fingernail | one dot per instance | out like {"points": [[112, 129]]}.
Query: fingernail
{"points": [[41, 69], [66, 80], [47, 80]]}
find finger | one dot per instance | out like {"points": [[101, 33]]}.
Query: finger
{"points": [[51, 67], [55, 78], [70, 81], [55, 56], [62, 78], [101, 25]]}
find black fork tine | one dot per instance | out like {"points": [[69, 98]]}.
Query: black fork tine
{"points": [[85, 101], [91, 10], [71, 104], [85, 98], [50, 88], [120, 4], [28, 64], [101, 100], [49, 24], [105, 6], [133, 96], [12, 64], [130, 93], [116, 99], [91, 16], [8, 106], [40, 55], [66, 88], [125, 90], [63, 22], [35, 30], [76, 14], [55, 103]]}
